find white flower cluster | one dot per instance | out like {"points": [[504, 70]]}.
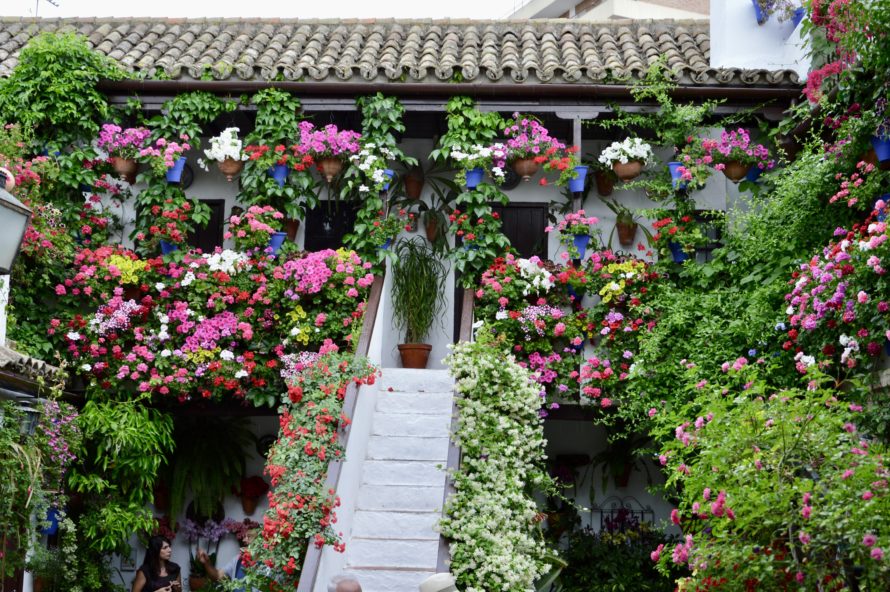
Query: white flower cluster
{"points": [[371, 161], [226, 261], [537, 277], [490, 519], [624, 152], [225, 145]]}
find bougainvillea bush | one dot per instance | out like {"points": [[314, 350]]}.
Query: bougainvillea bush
{"points": [[301, 508], [778, 488], [496, 545], [212, 326]]}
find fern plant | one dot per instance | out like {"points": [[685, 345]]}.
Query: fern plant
{"points": [[418, 282]]}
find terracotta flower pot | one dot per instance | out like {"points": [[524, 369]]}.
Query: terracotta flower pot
{"points": [[197, 583], [291, 226], [413, 186], [125, 167], [526, 168], [230, 167], [248, 504], [605, 183], [628, 171], [432, 229], [38, 584], [626, 233], [330, 167], [736, 171], [415, 355]]}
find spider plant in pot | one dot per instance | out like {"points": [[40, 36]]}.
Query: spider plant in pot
{"points": [[418, 289], [625, 223]]}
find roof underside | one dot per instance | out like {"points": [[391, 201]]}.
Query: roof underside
{"points": [[528, 52]]}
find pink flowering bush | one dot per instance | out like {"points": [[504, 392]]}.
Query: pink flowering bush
{"points": [[122, 142], [327, 142], [253, 229], [527, 138], [736, 146], [838, 307], [778, 488], [859, 188], [206, 327], [163, 154]]}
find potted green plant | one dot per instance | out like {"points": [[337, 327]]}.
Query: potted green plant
{"points": [[620, 458], [434, 214], [418, 280], [625, 223], [47, 568]]}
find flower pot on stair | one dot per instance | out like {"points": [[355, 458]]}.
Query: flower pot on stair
{"points": [[415, 355]]}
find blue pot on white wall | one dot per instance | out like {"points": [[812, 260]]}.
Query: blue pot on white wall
{"points": [[474, 177], [881, 144], [762, 16], [174, 173], [677, 181], [576, 185]]}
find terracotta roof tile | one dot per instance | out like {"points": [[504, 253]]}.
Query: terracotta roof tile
{"points": [[381, 50]]}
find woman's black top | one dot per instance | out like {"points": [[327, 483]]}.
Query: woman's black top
{"points": [[153, 583]]}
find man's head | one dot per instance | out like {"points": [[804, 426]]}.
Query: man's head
{"points": [[249, 536], [344, 583]]}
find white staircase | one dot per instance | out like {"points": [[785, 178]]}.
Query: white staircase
{"points": [[393, 547]]}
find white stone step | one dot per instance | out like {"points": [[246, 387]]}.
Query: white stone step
{"points": [[407, 448], [420, 555], [395, 525], [413, 381], [397, 424], [385, 580], [420, 403], [399, 497], [390, 472]]}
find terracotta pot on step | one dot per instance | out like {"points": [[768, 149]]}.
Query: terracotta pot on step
{"points": [[626, 233], [736, 171], [413, 186], [605, 183], [526, 168], [291, 226], [248, 504], [125, 168], [629, 170], [432, 228], [415, 355], [197, 583], [330, 167], [230, 167]]}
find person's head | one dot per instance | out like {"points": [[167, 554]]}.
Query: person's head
{"points": [[158, 550], [344, 583], [250, 536]]}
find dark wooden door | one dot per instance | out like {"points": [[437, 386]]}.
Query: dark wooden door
{"points": [[211, 235], [524, 224], [327, 224]]}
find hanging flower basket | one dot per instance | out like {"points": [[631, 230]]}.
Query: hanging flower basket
{"points": [[735, 171], [628, 171], [526, 168], [230, 168], [413, 186], [249, 504], [174, 173], [581, 241], [389, 174], [125, 168], [627, 232], [330, 167], [605, 183]]}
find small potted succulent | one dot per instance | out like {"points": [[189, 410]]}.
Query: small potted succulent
{"points": [[627, 158]]}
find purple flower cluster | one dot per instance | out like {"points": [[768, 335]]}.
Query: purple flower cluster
{"points": [[56, 422], [326, 142], [527, 138], [123, 143], [208, 332], [115, 316]]}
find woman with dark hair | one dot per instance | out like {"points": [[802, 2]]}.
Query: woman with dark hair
{"points": [[158, 573]]}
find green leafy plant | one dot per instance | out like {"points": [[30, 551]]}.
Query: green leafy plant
{"points": [[53, 89], [467, 127], [418, 288], [186, 114], [209, 461]]}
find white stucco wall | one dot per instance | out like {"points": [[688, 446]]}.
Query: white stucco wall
{"points": [[4, 298], [737, 41]]}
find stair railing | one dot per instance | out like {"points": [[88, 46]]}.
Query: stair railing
{"points": [[312, 560]]}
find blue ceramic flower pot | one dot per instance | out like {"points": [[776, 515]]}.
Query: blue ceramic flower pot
{"points": [[52, 517], [762, 17], [386, 245], [881, 144], [174, 174], [276, 240], [474, 177], [279, 172], [388, 173], [677, 252], [677, 181], [581, 241], [167, 248], [799, 13], [754, 174], [576, 185]]}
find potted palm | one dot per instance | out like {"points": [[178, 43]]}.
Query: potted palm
{"points": [[418, 279]]}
